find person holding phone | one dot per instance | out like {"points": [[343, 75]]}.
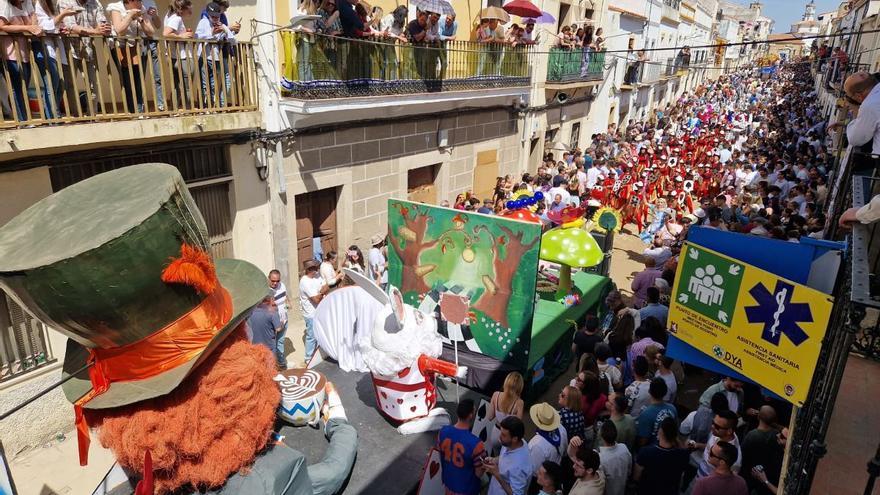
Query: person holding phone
{"points": [[213, 60], [130, 21], [88, 21]]}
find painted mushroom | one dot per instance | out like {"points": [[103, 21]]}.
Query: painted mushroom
{"points": [[522, 214], [570, 246]]}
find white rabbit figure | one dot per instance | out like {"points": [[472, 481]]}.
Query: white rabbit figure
{"points": [[402, 355]]}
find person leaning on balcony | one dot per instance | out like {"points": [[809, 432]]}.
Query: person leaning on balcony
{"points": [[392, 27], [212, 28], [305, 39], [329, 22], [529, 36], [52, 58], [565, 39], [181, 51], [89, 20], [17, 17], [130, 21], [863, 94], [490, 35], [598, 41], [446, 30]]}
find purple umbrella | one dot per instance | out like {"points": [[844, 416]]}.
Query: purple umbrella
{"points": [[545, 18]]}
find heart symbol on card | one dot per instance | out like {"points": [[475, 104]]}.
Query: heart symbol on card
{"points": [[412, 408], [433, 468], [400, 401], [384, 395]]}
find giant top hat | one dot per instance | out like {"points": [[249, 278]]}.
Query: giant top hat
{"points": [[119, 263]]}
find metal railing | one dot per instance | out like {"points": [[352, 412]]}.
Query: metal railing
{"points": [[320, 66], [853, 326], [566, 65], [24, 345], [54, 79]]}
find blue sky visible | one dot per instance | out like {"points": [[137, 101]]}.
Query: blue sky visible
{"points": [[787, 12]]}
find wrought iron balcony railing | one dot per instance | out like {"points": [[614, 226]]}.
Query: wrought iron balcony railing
{"points": [[319, 66], [62, 79], [566, 65]]}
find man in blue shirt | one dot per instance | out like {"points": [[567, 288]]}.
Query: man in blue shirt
{"points": [[651, 416], [512, 471], [448, 28], [264, 324], [653, 307], [461, 453]]}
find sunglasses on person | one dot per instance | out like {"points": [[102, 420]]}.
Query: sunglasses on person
{"points": [[851, 100], [719, 427]]}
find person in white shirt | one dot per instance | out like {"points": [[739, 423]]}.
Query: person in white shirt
{"points": [[594, 175], [328, 270], [210, 28], [279, 294], [551, 438], [131, 20], [378, 265], [179, 51], [863, 93], [867, 214], [614, 459], [312, 290], [723, 428]]}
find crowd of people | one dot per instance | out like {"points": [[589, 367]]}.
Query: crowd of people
{"points": [[743, 154], [140, 41], [323, 42]]}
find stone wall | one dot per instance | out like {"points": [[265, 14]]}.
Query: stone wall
{"points": [[369, 164]]}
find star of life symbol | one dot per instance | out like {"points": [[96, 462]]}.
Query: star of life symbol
{"points": [[778, 314]]}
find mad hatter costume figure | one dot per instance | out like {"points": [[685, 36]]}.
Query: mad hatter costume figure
{"points": [[158, 354]]}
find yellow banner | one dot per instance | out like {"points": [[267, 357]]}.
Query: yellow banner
{"points": [[767, 328]]}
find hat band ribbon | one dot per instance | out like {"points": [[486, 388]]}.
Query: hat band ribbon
{"points": [[174, 345]]}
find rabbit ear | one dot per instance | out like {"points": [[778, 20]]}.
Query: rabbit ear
{"points": [[369, 286]]}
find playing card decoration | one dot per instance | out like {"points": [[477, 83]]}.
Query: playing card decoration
{"points": [[482, 425], [432, 482]]}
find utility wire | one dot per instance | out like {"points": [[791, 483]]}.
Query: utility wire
{"points": [[499, 47]]}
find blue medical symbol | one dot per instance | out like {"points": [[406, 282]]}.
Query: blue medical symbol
{"points": [[778, 314]]}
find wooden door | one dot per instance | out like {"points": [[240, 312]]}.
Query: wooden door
{"points": [[315, 219], [485, 174], [420, 185]]}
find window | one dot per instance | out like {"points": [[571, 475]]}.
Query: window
{"points": [[205, 169], [575, 135], [24, 345]]}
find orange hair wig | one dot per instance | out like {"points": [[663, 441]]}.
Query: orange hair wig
{"points": [[209, 428]]}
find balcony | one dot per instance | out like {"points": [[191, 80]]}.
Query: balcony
{"points": [[320, 66], [569, 68], [114, 89], [669, 12], [327, 78]]}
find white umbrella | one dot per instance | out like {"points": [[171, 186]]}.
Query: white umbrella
{"points": [[441, 7]]}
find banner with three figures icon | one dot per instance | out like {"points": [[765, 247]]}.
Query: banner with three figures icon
{"points": [[766, 327]]}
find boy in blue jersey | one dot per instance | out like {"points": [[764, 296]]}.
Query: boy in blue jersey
{"points": [[461, 453]]}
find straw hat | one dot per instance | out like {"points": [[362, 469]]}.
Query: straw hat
{"points": [[544, 416], [377, 239]]}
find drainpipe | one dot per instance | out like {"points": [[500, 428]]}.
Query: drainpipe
{"points": [[269, 156]]}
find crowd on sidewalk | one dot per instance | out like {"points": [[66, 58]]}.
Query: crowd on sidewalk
{"points": [[742, 154]]}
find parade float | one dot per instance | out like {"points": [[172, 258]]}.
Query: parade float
{"points": [[516, 319]]}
